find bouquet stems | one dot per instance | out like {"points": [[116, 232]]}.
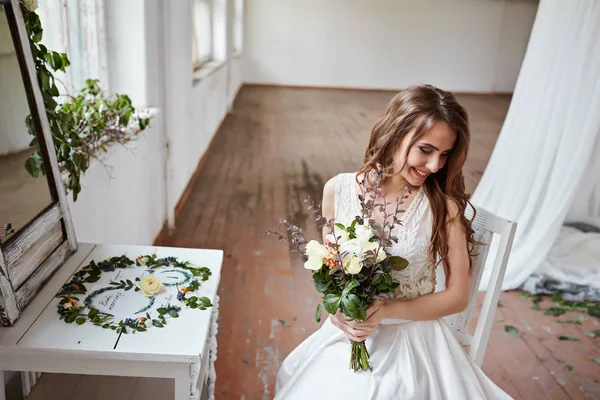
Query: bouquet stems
{"points": [[359, 359]]}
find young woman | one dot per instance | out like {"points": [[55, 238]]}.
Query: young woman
{"points": [[420, 143]]}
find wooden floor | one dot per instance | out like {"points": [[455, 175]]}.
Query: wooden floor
{"points": [[280, 145], [276, 147]]}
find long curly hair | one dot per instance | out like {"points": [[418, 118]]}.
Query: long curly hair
{"points": [[418, 109]]}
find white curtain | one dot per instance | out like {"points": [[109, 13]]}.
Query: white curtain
{"points": [[546, 145]]}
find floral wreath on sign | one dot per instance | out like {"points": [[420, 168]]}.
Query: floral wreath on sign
{"points": [[72, 309]]}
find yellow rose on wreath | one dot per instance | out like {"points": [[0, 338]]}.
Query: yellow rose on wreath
{"points": [[150, 285]]}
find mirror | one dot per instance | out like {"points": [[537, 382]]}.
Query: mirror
{"points": [[22, 197], [42, 236]]}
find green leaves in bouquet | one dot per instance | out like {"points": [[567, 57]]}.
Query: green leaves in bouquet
{"points": [[318, 312], [353, 307], [349, 303], [324, 282], [331, 302], [398, 263]]}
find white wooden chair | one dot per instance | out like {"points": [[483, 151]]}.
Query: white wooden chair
{"points": [[487, 227]]}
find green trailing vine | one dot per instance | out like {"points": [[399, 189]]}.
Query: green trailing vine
{"points": [[72, 309], [82, 125]]}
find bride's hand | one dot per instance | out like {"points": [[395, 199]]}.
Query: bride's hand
{"points": [[375, 312], [357, 331]]}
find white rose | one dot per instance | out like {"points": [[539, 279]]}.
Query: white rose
{"points": [[341, 234], [150, 285], [351, 248], [363, 234], [381, 255], [313, 263], [352, 265], [373, 246], [316, 249]]}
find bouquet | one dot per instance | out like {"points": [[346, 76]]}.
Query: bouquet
{"points": [[352, 268]]}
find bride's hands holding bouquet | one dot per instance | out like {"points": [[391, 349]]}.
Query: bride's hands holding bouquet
{"points": [[359, 331]]}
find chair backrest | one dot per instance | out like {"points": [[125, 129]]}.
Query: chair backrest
{"points": [[487, 227]]}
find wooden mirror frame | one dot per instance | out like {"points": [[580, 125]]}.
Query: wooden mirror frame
{"points": [[31, 256]]}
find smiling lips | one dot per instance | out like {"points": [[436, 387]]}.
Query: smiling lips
{"points": [[420, 174]]}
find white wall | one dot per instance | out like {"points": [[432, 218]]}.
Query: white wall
{"points": [[122, 200], [194, 109], [129, 202], [459, 45]]}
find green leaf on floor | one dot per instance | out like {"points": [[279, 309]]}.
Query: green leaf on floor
{"points": [[511, 330], [499, 320], [537, 307], [578, 319], [568, 336], [594, 311], [569, 367], [557, 296], [554, 311], [596, 360], [500, 304], [524, 296], [294, 318], [284, 323], [464, 344], [594, 334]]}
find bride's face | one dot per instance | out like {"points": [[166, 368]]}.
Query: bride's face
{"points": [[427, 156]]}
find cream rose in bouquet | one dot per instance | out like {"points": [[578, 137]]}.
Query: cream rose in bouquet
{"points": [[352, 267]]}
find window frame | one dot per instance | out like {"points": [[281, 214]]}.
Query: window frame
{"points": [[237, 29], [197, 61]]}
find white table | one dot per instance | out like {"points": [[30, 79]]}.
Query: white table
{"points": [[184, 350]]}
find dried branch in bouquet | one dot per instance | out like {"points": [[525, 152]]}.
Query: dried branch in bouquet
{"points": [[295, 237]]}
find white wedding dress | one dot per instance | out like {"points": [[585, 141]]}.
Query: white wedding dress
{"points": [[410, 359]]}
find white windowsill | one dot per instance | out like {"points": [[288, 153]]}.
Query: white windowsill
{"points": [[207, 69]]}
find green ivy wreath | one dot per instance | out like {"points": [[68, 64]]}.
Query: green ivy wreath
{"points": [[72, 309]]}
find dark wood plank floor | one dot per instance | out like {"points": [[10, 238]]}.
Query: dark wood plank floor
{"points": [[279, 145]]}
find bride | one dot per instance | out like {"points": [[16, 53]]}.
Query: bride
{"points": [[421, 143]]}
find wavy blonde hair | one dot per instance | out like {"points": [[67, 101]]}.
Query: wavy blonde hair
{"points": [[418, 109]]}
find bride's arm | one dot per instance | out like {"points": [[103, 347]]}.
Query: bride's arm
{"points": [[454, 299]]}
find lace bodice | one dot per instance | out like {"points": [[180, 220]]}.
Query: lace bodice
{"points": [[414, 236]]}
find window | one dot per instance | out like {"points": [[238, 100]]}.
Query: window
{"points": [[76, 27], [238, 27], [202, 40]]}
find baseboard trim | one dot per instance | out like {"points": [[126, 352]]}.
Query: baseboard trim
{"points": [[362, 89]]}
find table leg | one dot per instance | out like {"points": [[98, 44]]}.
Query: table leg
{"points": [[214, 329], [182, 387]]}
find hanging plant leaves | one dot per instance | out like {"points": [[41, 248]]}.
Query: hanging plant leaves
{"points": [[86, 124]]}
